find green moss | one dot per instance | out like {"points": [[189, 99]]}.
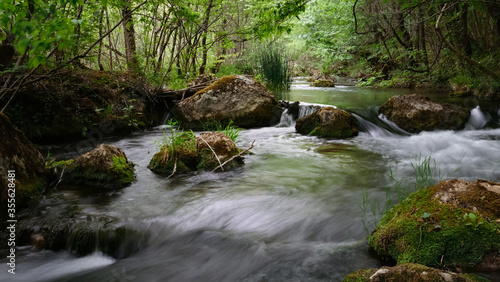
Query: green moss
{"points": [[323, 83], [29, 193], [360, 275], [183, 159], [221, 84], [121, 173], [124, 170], [421, 230]]}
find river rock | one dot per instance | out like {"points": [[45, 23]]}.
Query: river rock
{"points": [[210, 144], [328, 122], [323, 83], [238, 98], [72, 230], [105, 167], [415, 113], [17, 154], [196, 153], [409, 272], [454, 224]]}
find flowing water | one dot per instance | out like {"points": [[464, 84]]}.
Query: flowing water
{"points": [[291, 213]]}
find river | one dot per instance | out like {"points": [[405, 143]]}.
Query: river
{"points": [[293, 212]]}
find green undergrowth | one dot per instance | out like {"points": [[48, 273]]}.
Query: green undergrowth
{"points": [[230, 130]]}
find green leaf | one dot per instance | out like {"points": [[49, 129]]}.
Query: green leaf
{"points": [[426, 215], [77, 21], [472, 217]]}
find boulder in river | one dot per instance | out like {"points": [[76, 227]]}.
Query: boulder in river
{"points": [[23, 175], [236, 98], [409, 272], [415, 113], [323, 83], [105, 167], [454, 224], [328, 122], [204, 152]]}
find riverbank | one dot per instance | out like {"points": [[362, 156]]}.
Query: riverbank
{"points": [[77, 104]]}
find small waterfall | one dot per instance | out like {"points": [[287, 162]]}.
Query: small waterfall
{"points": [[477, 119], [392, 125], [371, 128], [286, 119], [307, 109]]}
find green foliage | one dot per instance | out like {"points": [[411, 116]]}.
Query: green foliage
{"points": [[38, 27], [228, 69], [177, 139], [129, 115], [273, 17], [274, 68], [230, 130], [107, 111]]}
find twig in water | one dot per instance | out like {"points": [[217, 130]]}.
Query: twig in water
{"points": [[235, 156], [210, 147], [175, 169], [60, 178]]}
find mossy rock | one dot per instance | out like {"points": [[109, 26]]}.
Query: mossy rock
{"points": [[323, 83], [415, 113], [453, 224], [180, 159], [410, 272], [28, 179], [105, 167], [328, 122], [81, 235], [205, 152], [236, 98]]}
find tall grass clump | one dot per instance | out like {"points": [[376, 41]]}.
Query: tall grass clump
{"points": [[274, 68], [230, 130], [177, 138], [426, 173]]}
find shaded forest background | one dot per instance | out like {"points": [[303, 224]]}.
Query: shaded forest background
{"points": [[398, 43]]}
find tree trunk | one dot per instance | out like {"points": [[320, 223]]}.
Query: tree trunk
{"points": [[204, 38], [129, 35]]}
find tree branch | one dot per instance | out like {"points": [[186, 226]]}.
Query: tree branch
{"points": [[459, 54], [235, 156]]}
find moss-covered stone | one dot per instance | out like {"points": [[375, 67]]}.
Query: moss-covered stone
{"points": [[196, 154], [415, 113], [106, 167], [236, 98], [323, 83], [28, 177], [328, 122], [181, 158], [410, 272], [453, 224]]}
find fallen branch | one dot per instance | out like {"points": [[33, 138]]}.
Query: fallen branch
{"points": [[210, 147], [235, 156]]}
